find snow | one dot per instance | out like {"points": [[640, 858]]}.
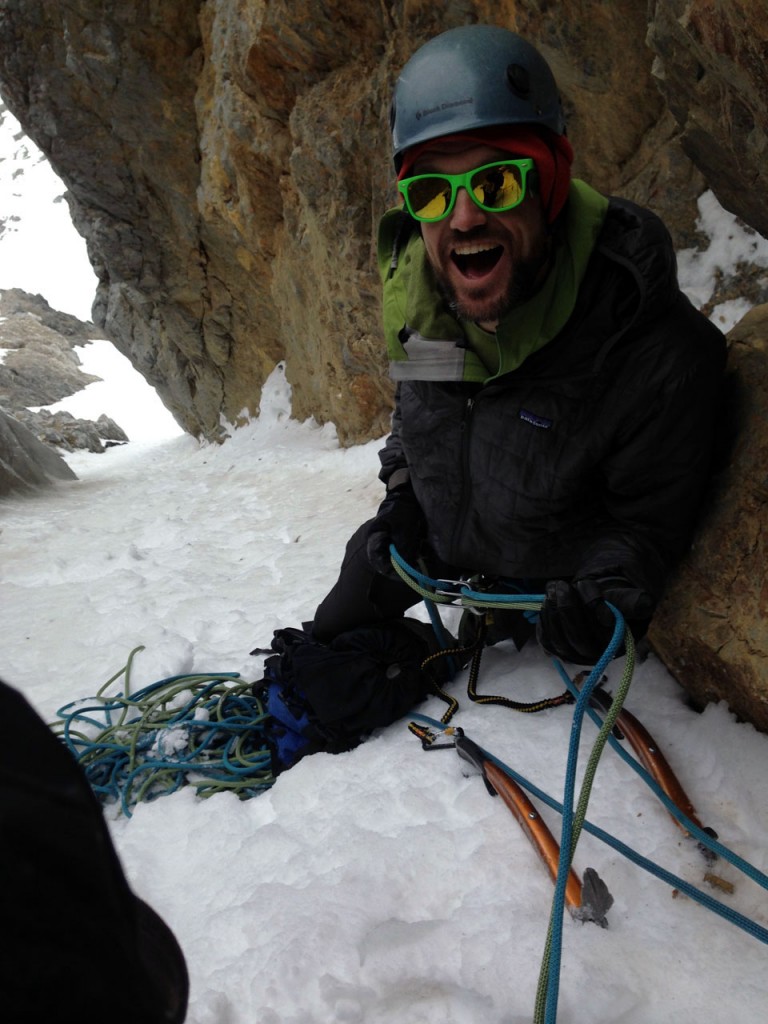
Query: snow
{"points": [[732, 243], [382, 885], [133, 405]]}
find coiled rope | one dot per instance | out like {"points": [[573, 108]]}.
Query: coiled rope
{"points": [[205, 731]]}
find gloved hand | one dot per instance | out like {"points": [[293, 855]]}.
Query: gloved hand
{"points": [[399, 521], [575, 623]]}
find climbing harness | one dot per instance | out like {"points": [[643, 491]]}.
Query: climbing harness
{"points": [[589, 899], [202, 730], [468, 595]]}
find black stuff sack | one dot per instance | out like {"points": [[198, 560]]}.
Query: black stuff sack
{"points": [[329, 696]]}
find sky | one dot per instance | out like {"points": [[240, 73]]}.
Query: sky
{"points": [[383, 885], [39, 247]]}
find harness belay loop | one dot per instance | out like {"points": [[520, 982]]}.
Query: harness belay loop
{"points": [[480, 602]]}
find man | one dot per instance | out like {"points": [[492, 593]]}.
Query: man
{"points": [[557, 394]]}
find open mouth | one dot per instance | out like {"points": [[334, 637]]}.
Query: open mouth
{"points": [[473, 261]]}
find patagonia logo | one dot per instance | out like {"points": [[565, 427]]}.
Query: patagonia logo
{"points": [[536, 421]]}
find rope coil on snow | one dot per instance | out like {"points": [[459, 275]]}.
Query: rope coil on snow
{"points": [[206, 731]]}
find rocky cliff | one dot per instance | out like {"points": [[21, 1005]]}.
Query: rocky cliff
{"points": [[38, 367], [227, 162], [712, 627]]}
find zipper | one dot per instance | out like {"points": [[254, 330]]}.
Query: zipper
{"points": [[465, 485]]}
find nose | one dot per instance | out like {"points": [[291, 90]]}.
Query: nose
{"points": [[466, 214]]}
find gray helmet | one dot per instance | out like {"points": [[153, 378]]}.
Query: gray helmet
{"points": [[472, 77]]}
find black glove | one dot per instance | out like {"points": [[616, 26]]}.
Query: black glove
{"points": [[399, 521], [575, 623]]}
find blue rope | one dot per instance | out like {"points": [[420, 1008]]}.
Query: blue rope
{"points": [[441, 635], [452, 590], [126, 745], [698, 833], [444, 591], [583, 698]]}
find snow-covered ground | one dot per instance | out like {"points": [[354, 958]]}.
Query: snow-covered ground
{"points": [[383, 885]]}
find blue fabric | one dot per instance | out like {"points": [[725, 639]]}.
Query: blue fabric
{"points": [[288, 730]]}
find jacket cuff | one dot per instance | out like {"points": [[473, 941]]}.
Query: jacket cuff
{"points": [[399, 478]]}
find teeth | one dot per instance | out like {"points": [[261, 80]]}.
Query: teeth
{"points": [[472, 250]]}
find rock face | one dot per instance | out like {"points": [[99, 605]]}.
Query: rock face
{"points": [[26, 462], [712, 627], [712, 71], [227, 162], [38, 367]]}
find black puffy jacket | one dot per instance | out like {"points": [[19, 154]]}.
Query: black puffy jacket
{"points": [[592, 457]]}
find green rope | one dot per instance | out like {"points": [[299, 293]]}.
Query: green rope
{"points": [[463, 594], [203, 730], [580, 813], [426, 592], [451, 592]]}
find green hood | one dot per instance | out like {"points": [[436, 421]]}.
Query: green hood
{"points": [[426, 342]]}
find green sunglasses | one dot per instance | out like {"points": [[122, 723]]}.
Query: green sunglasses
{"points": [[494, 187]]}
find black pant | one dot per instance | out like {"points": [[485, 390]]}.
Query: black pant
{"points": [[362, 597]]}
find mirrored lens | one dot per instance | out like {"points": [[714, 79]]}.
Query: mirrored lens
{"points": [[429, 197], [497, 188]]}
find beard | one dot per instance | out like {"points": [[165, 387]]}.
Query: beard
{"points": [[481, 305]]}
